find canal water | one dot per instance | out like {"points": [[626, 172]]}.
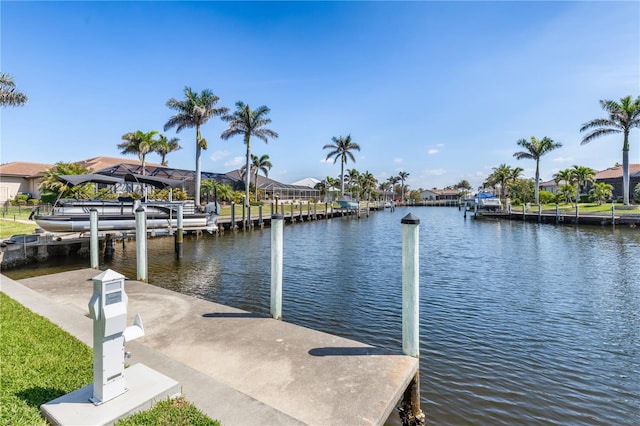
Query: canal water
{"points": [[521, 324]]}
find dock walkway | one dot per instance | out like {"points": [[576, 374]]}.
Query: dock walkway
{"points": [[237, 367]]}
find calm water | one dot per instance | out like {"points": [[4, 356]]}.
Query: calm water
{"points": [[521, 324]]}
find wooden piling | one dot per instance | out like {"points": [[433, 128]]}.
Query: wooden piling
{"points": [[277, 226], [410, 411], [141, 244], [93, 226]]}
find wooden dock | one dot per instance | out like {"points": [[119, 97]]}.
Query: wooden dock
{"points": [[564, 217], [236, 366]]}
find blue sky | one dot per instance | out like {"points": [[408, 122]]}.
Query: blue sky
{"points": [[442, 90]]}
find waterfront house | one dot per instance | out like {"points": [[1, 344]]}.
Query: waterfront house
{"points": [[21, 177], [440, 195], [613, 176]]}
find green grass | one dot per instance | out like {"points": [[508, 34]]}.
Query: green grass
{"points": [[176, 412], [15, 212], [40, 362], [586, 208], [9, 228]]}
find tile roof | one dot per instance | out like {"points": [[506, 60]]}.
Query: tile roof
{"points": [[616, 172], [23, 168], [103, 162]]}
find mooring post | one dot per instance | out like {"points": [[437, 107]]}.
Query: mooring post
{"points": [[249, 223], [141, 243], [277, 222], [613, 214], [93, 226], [260, 222], [233, 215], [539, 213], [577, 214], [524, 212], [315, 211], [475, 209], [411, 413], [557, 213], [178, 236]]}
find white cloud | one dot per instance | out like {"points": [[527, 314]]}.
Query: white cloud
{"points": [[433, 151], [563, 159], [235, 161], [435, 172], [219, 155], [326, 160], [397, 160], [440, 145]]}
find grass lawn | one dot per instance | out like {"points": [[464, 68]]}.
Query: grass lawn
{"points": [[40, 362], [9, 228], [587, 208]]}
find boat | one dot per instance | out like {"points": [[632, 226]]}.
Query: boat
{"points": [[72, 215], [484, 201], [346, 202]]}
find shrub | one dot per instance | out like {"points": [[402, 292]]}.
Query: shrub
{"points": [[546, 197], [636, 193]]}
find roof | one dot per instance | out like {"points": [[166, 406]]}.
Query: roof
{"points": [[616, 172], [23, 168], [267, 183], [443, 191], [103, 162], [310, 182]]}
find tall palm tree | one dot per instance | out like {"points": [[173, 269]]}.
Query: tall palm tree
{"points": [[393, 180], [535, 149], [260, 164], [623, 116], [341, 149], [194, 111], [246, 122], [9, 96], [139, 143], [403, 176], [164, 146]]}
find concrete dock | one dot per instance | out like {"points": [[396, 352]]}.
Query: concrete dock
{"points": [[237, 367]]}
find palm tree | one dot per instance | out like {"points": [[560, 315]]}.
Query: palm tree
{"points": [[194, 111], [568, 188], [501, 176], [583, 175], [9, 96], [601, 192], [164, 146], [341, 149], [622, 118], [138, 143], [385, 187], [352, 179], [393, 181], [535, 149], [368, 183], [260, 164], [248, 123], [402, 176], [52, 188]]}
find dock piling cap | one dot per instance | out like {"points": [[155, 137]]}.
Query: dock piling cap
{"points": [[277, 216], [410, 219]]}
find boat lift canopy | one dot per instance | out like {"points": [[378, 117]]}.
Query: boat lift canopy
{"points": [[161, 183]]}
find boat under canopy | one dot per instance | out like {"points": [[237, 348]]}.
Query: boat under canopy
{"points": [[72, 215]]}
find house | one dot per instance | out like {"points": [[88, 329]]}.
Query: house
{"points": [[440, 195], [21, 177], [273, 189], [613, 176]]}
